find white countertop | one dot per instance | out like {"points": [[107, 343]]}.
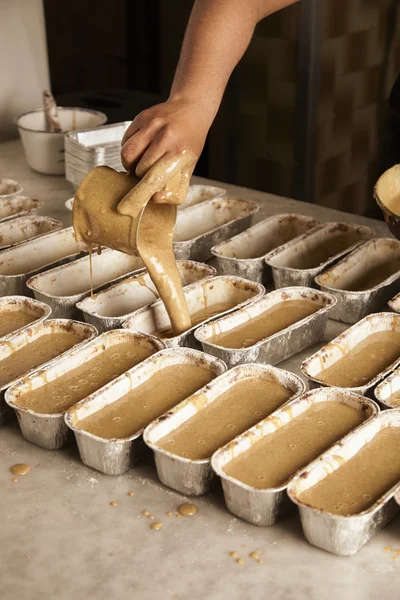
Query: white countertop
{"points": [[61, 539]]}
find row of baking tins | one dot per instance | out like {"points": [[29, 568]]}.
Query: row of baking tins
{"points": [[337, 534]]}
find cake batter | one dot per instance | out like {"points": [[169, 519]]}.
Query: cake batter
{"points": [[198, 317], [11, 320]]}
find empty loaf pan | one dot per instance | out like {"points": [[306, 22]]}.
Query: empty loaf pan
{"points": [[200, 193], [193, 476], [40, 419], [63, 286], [244, 255], [375, 341], [165, 370], [364, 280], [26, 355], [295, 318], [22, 229], [20, 263], [205, 300], [299, 261], [335, 532], [109, 308], [200, 227], [387, 393], [18, 206], [18, 312], [281, 443]]}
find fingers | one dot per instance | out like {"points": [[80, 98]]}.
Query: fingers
{"points": [[153, 153]]}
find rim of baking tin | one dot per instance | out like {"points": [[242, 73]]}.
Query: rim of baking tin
{"points": [[382, 284], [381, 501], [303, 397], [63, 131], [295, 379], [331, 299], [216, 363]]}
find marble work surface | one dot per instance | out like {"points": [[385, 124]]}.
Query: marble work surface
{"points": [[61, 539]]}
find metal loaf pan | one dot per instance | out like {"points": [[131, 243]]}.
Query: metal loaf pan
{"points": [[49, 430], [289, 262], [116, 456], [39, 311], [200, 227], [344, 343], [386, 389], [200, 193], [335, 533], [264, 507], [194, 477], [65, 285], [198, 296], [19, 230], [112, 306], [280, 345], [29, 335], [18, 206], [22, 262], [244, 255], [354, 305]]}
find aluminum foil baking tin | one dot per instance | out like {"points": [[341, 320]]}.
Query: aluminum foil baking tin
{"points": [[29, 335], [49, 430], [386, 389], [65, 285], [338, 534], [280, 345], [286, 262], [194, 477], [39, 311], [17, 206], [112, 306], [344, 343], [235, 290], [18, 264], [19, 230], [263, 507], [244, 255], [351, 305], [116, 456], [198, 228]]}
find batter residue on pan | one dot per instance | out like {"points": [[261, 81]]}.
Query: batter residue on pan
{"points": [[35, 353], [20, 469], [275, 458], [59, 394], [243, 405], [366, 360], [163, 390], [270, 321], [372, 276], [199, 317], [187, 510], [11, 320], [119, 211], [360, 481]]}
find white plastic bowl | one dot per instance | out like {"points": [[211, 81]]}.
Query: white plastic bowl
{"points": [[44, 150]]}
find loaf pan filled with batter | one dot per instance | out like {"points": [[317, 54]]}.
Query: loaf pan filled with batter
{"points": [[18, 312], [63, 286], [41, 399], [347, 495], [387, 393], [298, 262], [184, 439], [10, 208], [205, 300], [19, 230], [113, 305], [360, 357], [18, 264], [270, 329], [364, 280], [108, 425], [35, 347], [198, 228], [256, 467], [244, 255]]}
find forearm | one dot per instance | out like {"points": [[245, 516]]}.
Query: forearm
{"points": [[218, 34]]}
